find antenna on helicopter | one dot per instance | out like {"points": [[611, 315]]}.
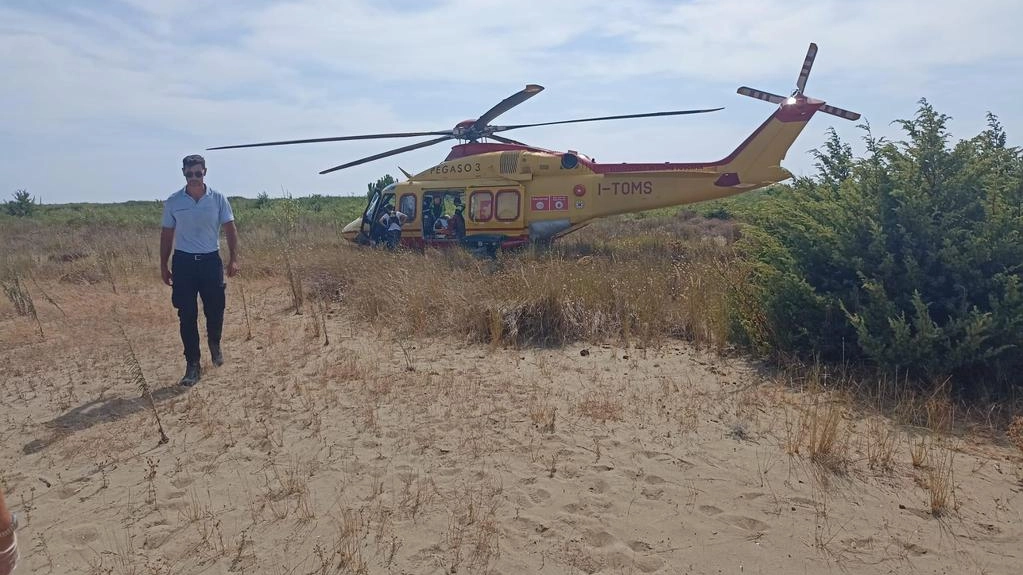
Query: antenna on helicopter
{"points": [[797, 95], [466, 131]]}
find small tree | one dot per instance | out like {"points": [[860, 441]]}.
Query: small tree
{"points": [[379, 185], [22, 205]]}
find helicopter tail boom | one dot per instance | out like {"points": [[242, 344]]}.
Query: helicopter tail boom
{"points": [[758, 159]]}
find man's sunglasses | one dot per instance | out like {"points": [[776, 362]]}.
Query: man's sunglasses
{"points": [[197, 174]]}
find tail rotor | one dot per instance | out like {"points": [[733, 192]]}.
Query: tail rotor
{"points": [[798, 97]]}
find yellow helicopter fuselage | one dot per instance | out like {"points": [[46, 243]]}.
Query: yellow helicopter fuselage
{"points": [[514, 194]]}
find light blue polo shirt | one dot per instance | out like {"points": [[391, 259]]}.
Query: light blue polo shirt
{"points": [[197, 224]]}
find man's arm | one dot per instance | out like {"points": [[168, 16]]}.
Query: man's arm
{"points": [[8, 542], [232, 244], [166, 243]]}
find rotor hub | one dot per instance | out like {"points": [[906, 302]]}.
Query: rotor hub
{"points": [[463, 130]]}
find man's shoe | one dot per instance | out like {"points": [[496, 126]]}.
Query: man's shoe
{"points": [[216, 356], [192, 374]]}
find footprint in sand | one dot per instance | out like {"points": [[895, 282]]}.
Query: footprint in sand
{"points": [[181, 481], [624, 562], [178, 505], [66, 492], [576, 508], [653, 493], [599, 486], [710, 510], [654, 480], [157, 536], [648, 564], [83, 534], [747, 523], [913, 549], [599, 538], [639, 546], [539, 495], [669, 458]]}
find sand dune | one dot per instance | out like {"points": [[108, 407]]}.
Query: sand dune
{"points": [[372, 454]]}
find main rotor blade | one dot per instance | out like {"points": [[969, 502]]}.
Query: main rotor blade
{"points": [[761, 95], [387, 153], [839, 112], [338, 139], [811, 53], [506, 140], [626, 116], [507, 104]]}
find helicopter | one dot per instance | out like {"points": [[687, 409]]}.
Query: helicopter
{"points": [[503, 193]]}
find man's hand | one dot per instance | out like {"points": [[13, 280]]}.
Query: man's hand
{"points": [[232, 268], [168, 278]]}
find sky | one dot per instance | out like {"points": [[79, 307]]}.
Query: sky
{"points": [[100, 100]]}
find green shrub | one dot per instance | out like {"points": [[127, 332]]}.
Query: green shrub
{"points": [[910, 258]]}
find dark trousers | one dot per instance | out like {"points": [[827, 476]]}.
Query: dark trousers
{"points": [[393, 239], [202, 275]]}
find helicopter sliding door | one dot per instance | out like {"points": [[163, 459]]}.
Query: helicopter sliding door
{"points": [[495, 214]]}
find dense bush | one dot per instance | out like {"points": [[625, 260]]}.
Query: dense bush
{"points": [[910, 258]]}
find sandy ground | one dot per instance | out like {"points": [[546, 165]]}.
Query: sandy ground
{"points": [[375, 455]]}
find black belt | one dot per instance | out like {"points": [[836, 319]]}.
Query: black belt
{"points": [[197, 257]]}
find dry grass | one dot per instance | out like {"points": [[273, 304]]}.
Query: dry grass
{"points": [[1015, 432], [940, 480], [880, 441], [827, 436], [369, 435], [603, 404], [817, 429]]}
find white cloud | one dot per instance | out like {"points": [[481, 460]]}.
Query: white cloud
{"points": [[142, 83]]}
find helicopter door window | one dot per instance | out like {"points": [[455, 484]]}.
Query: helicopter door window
{"points": [[372, 206], [508, 205], [407, 206], [481, 206]]}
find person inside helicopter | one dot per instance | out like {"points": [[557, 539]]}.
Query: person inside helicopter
{"points": [[456, 223], [442, 227], [433, 211], [428, 218]]}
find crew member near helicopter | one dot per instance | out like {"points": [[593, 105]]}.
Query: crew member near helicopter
{"points": [[192, 218], [392, 221]]}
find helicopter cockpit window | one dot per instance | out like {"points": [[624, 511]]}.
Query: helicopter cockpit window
{"points": [[407, 206], [481, 206]]}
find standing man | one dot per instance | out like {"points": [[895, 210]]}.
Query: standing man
{"points": [[192, 218]]}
